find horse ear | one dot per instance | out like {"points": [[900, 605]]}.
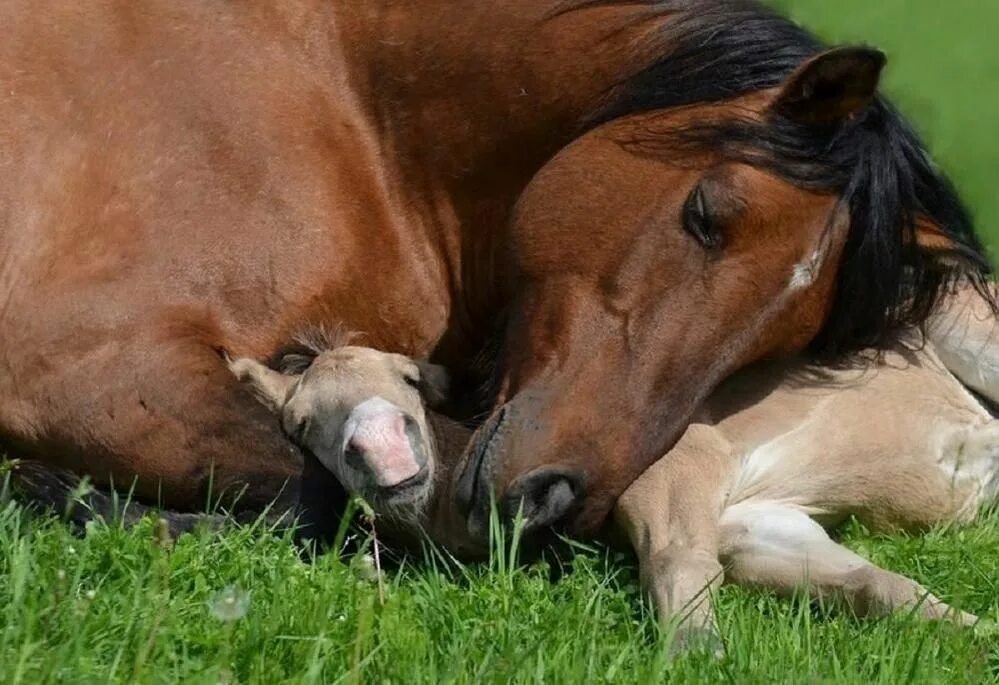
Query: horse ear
{"points": [[934, 242], [831, 87], [271, 387], [434, 383]]}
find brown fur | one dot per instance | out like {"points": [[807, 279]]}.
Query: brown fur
{"points": [[178, 177]]}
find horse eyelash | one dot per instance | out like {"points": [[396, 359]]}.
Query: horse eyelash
{"points": [[705, 232]]}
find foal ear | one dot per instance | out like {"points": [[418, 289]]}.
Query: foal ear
{"points": [[831, 87], [271, 387], [941, 248], [434, 383]]}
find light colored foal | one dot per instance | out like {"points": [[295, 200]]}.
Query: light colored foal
{"points": [[783, 452]]}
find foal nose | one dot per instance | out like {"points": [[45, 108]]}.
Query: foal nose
{"points": [[380, 444]]}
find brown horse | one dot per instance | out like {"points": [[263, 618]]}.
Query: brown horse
{"points": [[182, 177]]}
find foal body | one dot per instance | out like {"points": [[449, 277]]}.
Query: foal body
{"points": [[784, 451]]}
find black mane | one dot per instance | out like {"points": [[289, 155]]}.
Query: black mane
{"points": [[716, 50]]}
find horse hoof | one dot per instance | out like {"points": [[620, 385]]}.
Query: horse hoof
{"points": [[986, 628]]}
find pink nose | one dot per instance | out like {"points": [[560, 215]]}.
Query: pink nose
{"points": [[380, 439]]}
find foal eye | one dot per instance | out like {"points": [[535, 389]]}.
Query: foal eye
{"points": [[410, 373], [298, 430], [697, 220]]}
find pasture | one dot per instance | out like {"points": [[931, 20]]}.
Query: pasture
{"points": [[126, 606]]}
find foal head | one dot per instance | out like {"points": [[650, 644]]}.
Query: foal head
{"points": [[361, 413], [669, 247]]}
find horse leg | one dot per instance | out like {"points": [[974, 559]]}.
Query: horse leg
{"points": [[780, 548], [940, 484], [48, 489], [670, 515], [978, 462]]}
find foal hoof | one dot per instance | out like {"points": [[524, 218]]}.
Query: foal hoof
{"points": [[986, 628]]}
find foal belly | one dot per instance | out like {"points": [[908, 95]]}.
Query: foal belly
{"points": [[887, 481]]}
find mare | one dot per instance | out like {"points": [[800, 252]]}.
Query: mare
{"points": [[709, 186]]}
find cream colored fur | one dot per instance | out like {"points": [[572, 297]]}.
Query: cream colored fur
{"points": [[783, 452]]}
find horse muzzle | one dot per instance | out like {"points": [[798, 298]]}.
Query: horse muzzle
{"points": [[544, 497]]}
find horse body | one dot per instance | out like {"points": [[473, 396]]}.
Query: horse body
{"points": [[179, 178], [198, 180], [965, 343]]}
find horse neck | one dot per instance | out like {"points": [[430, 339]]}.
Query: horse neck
{"points": [[470, 99], [462, 86]]}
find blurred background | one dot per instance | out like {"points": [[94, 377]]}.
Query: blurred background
{"points": [[943, 72]]}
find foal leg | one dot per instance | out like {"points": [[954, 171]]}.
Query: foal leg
{"points": [[780, 548], [670, 515]]}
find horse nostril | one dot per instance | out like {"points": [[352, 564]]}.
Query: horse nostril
{"points": [[544, 496], [410, 425], [353, 455]]}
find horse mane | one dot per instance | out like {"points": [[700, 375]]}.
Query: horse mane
{"points": [[716, 50]]}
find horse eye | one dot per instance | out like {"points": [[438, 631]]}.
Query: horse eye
{"points": [[697, 220]]}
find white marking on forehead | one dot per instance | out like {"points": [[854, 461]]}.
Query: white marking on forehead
{"points": [[804, 273]]}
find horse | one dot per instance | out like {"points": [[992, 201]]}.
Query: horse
{"points": [[779, 454], [558, 199], [785, 451], [362, 414]]}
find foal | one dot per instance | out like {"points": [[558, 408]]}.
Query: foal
{"points": [[783, 452], [362, 414]]}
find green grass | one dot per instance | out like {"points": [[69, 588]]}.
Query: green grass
{"points": [[114, 606]]}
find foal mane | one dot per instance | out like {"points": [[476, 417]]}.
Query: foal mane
{"points": [[711, 51], [296, 356]]}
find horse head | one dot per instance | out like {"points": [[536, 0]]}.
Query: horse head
{"points": [[668, 247]]}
